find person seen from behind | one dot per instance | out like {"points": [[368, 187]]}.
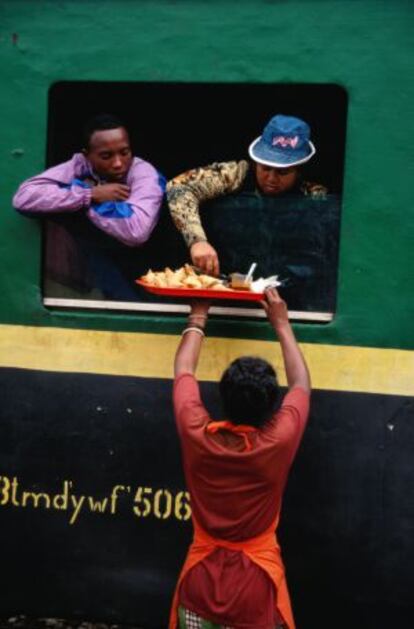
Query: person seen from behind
{"points": [[236, 471]]}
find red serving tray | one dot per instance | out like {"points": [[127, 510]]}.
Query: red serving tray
{"points": [[239, 295]]}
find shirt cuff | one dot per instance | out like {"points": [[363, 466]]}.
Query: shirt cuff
{"points": [[191, 239]]}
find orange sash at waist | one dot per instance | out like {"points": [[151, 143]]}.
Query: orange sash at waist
{"points": [[263, 550]]}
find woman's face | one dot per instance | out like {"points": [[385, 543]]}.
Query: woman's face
{"points": [[273, 181]]}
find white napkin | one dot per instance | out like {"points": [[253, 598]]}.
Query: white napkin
{"points": [[260, 285]]}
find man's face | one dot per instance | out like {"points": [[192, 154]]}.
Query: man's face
{"points": [[110, 154], [274, 181]]}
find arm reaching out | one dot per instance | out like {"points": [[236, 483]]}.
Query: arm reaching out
{"points": [[297, 372], [188, 352], [187, 191]]}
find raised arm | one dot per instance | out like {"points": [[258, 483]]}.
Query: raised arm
{"points": [[133, 219], [297, 372], [188, 352], [185, 193]]}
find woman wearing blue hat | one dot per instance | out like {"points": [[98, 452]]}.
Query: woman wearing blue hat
{"points": [[277, 155]]}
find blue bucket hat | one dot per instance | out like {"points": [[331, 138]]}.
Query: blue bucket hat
{"points": [[285, 142]]}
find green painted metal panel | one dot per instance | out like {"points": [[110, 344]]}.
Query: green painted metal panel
{"points": [[365, 46]]}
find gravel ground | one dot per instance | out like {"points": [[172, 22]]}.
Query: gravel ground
{"points": [[24, 622]]}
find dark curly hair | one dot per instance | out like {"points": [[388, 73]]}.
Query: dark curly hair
{"points": [[249, 391], [101, 122]]}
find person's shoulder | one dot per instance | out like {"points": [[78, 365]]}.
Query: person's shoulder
{"points": [[142, 164], [241, 166], [232, 173], [291, 417], [189, 409], [294, 394], [77, 158], [140, 169], [217, 167], [75, 166], [233, 163], [314, 190], [295, 401], [185, 385], [211, 179]]}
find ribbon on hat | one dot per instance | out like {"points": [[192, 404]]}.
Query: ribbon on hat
{"points": [[243, 430]]}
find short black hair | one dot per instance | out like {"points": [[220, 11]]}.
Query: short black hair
{"points": [[101, 122], [249, 391]]}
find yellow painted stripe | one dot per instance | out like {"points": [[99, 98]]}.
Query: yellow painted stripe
{"points": [[332, 367]]}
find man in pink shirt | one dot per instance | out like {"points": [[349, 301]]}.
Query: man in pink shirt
{"points": [[236, 471], [120, 194]]}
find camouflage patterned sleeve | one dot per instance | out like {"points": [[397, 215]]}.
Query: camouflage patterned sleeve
{"points": [[314, 190], [186, 191]]}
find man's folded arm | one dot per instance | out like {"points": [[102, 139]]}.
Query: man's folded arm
{"points": [[132, 221], [61, 189]]}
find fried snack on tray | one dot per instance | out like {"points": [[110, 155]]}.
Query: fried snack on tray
{"points": [[184, 277]]}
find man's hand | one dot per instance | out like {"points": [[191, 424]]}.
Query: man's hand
{"points": [[276, 309], [204, 256], [110, 192]]}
